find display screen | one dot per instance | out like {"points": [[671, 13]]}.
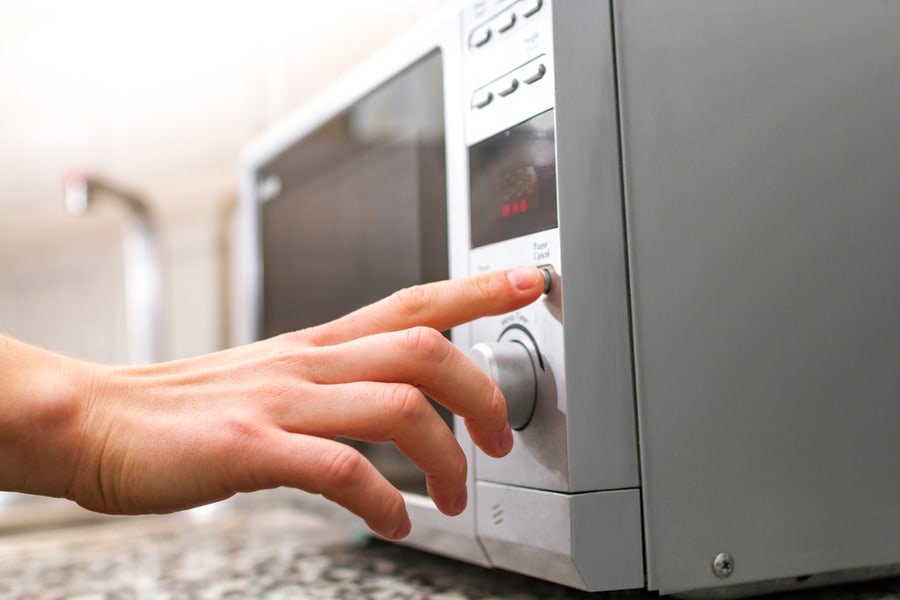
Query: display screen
{"points": [[356, 210], [513, 182]]}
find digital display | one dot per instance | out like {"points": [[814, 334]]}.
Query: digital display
{"points": [[513, 182]]}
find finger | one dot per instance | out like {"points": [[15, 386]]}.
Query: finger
{"points": [[222, 358], [381, 412], [440, 305], [424, 358], [337, 472]]}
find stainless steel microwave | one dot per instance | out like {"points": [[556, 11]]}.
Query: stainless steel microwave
{"points": [[715, 187]]}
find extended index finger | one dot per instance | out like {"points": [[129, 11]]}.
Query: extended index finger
{"points": [[439, 305]]}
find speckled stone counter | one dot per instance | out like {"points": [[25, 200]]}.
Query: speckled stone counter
{"points": [[269, 552]]}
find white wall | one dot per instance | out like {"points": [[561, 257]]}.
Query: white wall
{"points": [[159, 97]]}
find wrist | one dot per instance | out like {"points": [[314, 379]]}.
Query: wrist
{"points": [[41, 416]]}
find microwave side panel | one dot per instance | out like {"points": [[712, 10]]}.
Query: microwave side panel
{"points": [[598, 356], [761, 145]]}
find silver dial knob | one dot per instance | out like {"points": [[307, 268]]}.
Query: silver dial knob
{"points": [[510, 366]]}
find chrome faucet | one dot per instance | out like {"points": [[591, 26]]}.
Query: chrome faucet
{"points": [[143, 264]]}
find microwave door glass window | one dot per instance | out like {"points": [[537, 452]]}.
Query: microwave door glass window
{"points": [[359, 210]]}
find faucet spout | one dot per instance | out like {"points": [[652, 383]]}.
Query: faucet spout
{"points": [[142, 261]]}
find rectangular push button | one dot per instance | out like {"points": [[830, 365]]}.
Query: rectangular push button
{"points": [[532, 73], [480, 37], [505, 22], [482, 98], [507, 87], [530, 7]]}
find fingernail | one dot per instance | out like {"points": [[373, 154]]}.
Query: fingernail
{"points": [[506, 440], [461, 501], [403, 530], [523, 278]]}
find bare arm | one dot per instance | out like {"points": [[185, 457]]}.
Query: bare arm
{"points": [[175, 435]]}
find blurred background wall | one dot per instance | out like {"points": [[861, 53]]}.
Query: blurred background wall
{"points": [[158, 97]]}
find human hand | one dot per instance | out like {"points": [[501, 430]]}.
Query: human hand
{"points": [[175, 435]]}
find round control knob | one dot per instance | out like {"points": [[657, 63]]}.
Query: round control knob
{"points": [[510, 366]]}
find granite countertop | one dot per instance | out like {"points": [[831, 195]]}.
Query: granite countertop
{"points": [[264, 550]]}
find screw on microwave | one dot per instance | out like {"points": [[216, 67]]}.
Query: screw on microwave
{"points": [[723, 565]]}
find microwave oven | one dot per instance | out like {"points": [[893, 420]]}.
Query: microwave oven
{"points": [[714, 185]]}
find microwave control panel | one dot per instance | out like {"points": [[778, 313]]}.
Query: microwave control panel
{"points": [[512, 222], [507, 64], [535, 197]]}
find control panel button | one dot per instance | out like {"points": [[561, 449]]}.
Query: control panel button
{"points": [[547, 272], [480, 37], [530, 7], [507, 87], [511, 367], [482, 98], [533, 73], [505, 22]]}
